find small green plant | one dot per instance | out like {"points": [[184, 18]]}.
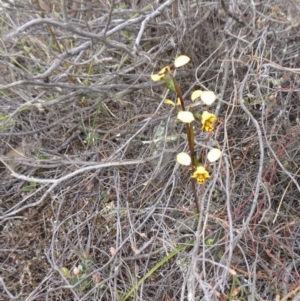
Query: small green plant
{"points": [[79, 273], [206, 121], [237, 289], [31, 186]]}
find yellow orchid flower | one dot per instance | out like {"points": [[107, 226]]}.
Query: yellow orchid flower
{"points": [[200, 174], [207, 119], [161, 74]]}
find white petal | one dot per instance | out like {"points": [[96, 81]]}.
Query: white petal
{"points": [[185, 116], [214, 155], [184, 159], [208, 97], [181, 61]]}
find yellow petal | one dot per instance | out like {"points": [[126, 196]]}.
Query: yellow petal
{"points": [[156, 77], [202, 171], [169, 102], [206, 116], [164, 70], [196, 94], [161, 74], [208, 97], [183, 159], [185, 116], [181, 61], [214, 155]]}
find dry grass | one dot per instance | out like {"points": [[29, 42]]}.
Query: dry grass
{"points": [[82, 186]]}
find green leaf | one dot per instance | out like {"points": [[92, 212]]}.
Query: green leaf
{"points": [[30, 187], [169, 84], [209, 241], [65, 272]]}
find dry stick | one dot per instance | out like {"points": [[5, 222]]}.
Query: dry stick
{"points": [[282, 197], [123, 25], [65, 64], [154, 14], [292, 293], [239, 95], [61, 57], [109, 17], [65, 11], [275, 156], [72, 29], [231, 15], [11, 296], [175, 9], [56, 182]]}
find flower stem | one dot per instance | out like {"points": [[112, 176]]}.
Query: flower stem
{"points": [[190, 137]]}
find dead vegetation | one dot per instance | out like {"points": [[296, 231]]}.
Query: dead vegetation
{"points": [[92, 208]]}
